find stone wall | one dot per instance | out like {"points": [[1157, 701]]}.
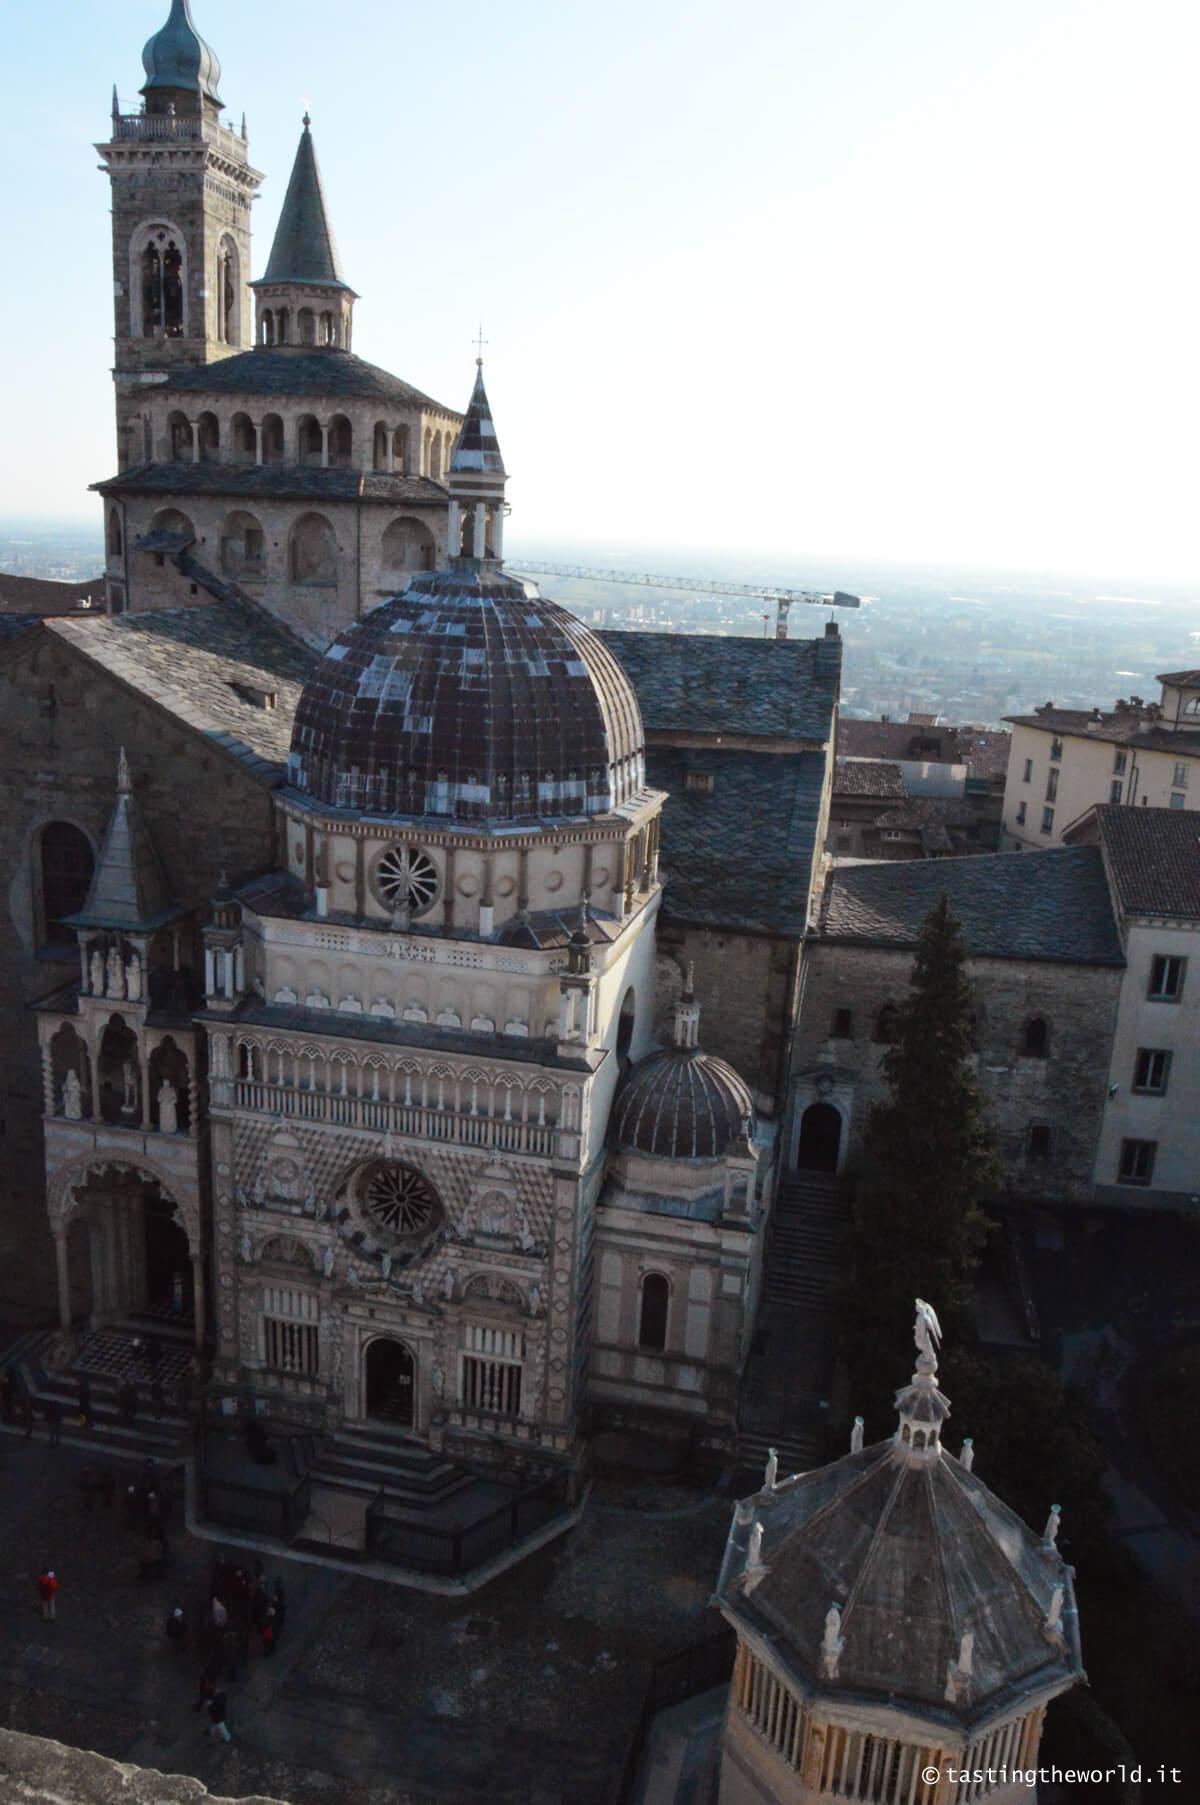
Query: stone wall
{"points": [[745, 984], [65, 722], [1064, 1092]]}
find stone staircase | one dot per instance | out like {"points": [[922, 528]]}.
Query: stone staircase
{"points": [[785, 1387]]}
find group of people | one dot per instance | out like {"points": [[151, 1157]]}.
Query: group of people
{"points": [[241, 1606]]}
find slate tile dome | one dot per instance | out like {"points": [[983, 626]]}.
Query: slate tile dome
{"points": [[178, 58], [680, 1104], [473, 698]]}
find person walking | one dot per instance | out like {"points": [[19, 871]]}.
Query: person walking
{"points": [[266, 1631], [207, 1687], [47, 1586], [52, 1412], [218, 1707], [176, 1631]]}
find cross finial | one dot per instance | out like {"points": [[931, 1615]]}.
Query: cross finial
{"points": [[480, 342], [306, 121]]}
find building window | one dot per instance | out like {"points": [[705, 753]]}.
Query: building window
{"points": [[1119, 759], [1177, 799], [1056, 749], [1137, 1162], [1047, 820], [843, 1025], [1052, 786], [67, 865], [1114, 790], [1037, 1038], [1180, 778], [1167, 973], [699, 783], [491, 1369], [290, 1338], [652, 1321], [1041, 1141], [1150, 1070], [1028, 777], [1020, 814], [887, 1025]]}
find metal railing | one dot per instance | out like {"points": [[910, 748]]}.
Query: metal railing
{"points": [[430, 1548]]}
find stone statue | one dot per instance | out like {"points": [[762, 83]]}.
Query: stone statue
{"points": [[260, 1186], [448, 1287], [831, 1643], [772, 1470], [385, 1267], [116, 974], [240, 1197], [168, 1108], [927, 1330], [72, 1097], [535, 1300], [754, 1558], [129, 1078], [327, 1261], [310, 1199], [246, 1249], [418, 1292], [133, 979], [438, 1380], [97, 969]]}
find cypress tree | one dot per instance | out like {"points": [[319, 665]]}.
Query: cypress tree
{"points": [[929, 1156]]}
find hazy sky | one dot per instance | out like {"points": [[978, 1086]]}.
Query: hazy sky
{"points": [[890, 278]]}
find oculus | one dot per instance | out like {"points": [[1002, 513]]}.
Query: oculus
{"points": [[405, 880]]}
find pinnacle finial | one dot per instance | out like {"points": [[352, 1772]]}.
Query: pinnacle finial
{"points": [[124, 784], [306, 121], [927, 1333]]}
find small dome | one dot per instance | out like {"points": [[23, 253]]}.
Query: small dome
{"points": [[680, 1104], [178, 57], [469, 697]]}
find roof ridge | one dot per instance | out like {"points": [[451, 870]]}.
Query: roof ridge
{"points": [[902, 1473]]}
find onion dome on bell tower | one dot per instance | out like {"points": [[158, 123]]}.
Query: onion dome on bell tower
{"points": [[304, 298], [182, 72], [470, 696]]}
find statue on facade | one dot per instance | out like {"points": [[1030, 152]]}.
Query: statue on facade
{"points": [[535, 1300], [246, 1249], [327, 1261], [385, 1267], [418, 1292], [97, 970], [240, 1197], [438, 1380], [168, 1108], [73, 1097], [448, 1287], [116, 975], [133, 979], [129, 1079], [310, 1199]]}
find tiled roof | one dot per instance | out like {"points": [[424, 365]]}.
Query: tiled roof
{"points": [[742, 855], [867, 777], [897, 740], [1037, 905], [201, 664], [703, 684], [1180, 679], [44, 595], [1153, 855], [326, 372], [984, 749], [304, 249], [478, 448], [1121, 728], [13, 625], [275, 482], [680, 1103]]}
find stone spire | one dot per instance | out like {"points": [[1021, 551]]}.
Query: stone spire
{"points": [[476, 481], [304, 299], [129, 887]]}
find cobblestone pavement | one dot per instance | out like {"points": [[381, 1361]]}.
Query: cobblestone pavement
{"points": [[529, 1690]]}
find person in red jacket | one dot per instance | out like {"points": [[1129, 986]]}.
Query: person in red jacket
{"points": [[47, 1587]]}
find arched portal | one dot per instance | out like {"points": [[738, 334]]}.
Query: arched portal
{"points": [[167, 1286], [820, 1138], [391, 1374], [124, 1251]]}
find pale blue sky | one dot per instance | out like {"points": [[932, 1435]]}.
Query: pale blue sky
{"points": [[913, 279]]}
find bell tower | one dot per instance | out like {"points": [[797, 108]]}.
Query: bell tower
{"points": [[182, 188]]}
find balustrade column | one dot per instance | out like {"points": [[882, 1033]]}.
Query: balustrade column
{"points": [[64, 1279]]}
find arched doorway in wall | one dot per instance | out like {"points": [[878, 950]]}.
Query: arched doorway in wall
{"points": [[390, 1389], [820, 1138], [168, 1283]]}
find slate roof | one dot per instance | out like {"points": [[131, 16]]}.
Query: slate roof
{"points": [[702, 684], [898, 740], [478, 448], [1153, 855], [13, 625], [867, 777], [191, 661], [680, 1103], [45, 595], [742, 856], [1127, 727], [129, 887], [324, 371], [914, 1556], [304, 249], [1180, 679], [278, 482], [1051, 905]]}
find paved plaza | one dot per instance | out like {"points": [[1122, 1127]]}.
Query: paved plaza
{"points": [[528, 1690]]}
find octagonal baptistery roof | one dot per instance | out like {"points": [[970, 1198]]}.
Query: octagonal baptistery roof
{"points": [[473, 698], [680, 1104]]}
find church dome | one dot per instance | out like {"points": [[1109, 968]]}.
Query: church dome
{"points": [[473, 698], [178, 57], [680, 1104]]}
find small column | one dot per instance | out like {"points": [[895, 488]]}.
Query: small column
{"points": [[199, 1305], [523, 876], [195, 426], [498, 531], [448, 893], [453, 528], [49, 1100], [83, 969], [258, 439], [193, 1100], [94, 1055], [64, 1279], [480, 529], [325, 426], [144, 1073]]}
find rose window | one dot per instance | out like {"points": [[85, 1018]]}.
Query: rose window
{"points": [[406, 878], [400, 1200]]}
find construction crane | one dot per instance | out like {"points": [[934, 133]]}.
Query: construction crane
{"points": [[640, 579]]}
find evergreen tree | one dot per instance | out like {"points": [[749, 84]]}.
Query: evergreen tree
{"points": [[929, 1159]]}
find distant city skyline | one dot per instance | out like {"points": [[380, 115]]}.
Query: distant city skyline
{"points": [[877, 285]]}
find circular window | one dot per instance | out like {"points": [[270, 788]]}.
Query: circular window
{"points": [[405, 878], [399, 1199]]}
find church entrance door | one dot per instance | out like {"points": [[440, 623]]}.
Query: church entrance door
{"points": [[391, 1382], [820, 1138], [168, 1290]]}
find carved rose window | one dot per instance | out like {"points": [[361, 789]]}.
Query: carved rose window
{"points": [[399, 1199], [406, 879]]}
